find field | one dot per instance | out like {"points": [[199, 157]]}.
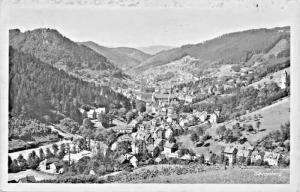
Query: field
{"points": [[229, 176], [272, 117]]}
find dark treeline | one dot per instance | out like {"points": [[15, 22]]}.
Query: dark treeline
{"points": [[38, 90]]}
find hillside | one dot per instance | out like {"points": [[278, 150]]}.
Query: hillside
{"points": [[51, 47], [229, 48], [122, 57], [182, 70], [39, 90]]}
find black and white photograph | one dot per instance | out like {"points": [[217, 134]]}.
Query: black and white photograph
{"points": [[131, 92]]}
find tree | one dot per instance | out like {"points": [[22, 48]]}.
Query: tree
{"points": [[258, 125], [87, 124], [122, 112], [22, 162], [41, 154], [200, 130], [49, 154], [140, 106], [103, 118], [194, 137], [33, 160], [94, 115], [202, 159], [221, 130], [14, 167], [61, 153], [285, 131], [129, 116], [248, 161], [84, 114], [55, 149], [172, 139], [156, 152], [222, 158]]}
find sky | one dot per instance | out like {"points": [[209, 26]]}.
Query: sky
{"points": [[139, 27]]}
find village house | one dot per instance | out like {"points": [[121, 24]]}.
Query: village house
{"points": [[272, 158], [190, 99], [151, 148], [187, 157], [184, 123], [207, 155], [230, 153], [134, 161], [168, 133], [51, 165], [243, 154], [177, 130], [128, 158], [160, 158], [123, 129], [158, 133], [172, 118], [213, 118], [202, 116], [97, 147], [170, 147], [93, 113], [159, 143], [163, 99], [255, 156]]}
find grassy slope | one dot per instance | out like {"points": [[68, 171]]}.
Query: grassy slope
{"points": [[273, 116], [233, 176]]}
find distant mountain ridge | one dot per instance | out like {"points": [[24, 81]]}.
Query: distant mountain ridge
{"points": [[229, 48], [154, 49], [122, 57]]}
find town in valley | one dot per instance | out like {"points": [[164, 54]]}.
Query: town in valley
{"points": [[212, 112]]}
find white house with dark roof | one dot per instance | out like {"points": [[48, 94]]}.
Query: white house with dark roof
{"points": [[170, 147], [272, 158], [230, 153]]}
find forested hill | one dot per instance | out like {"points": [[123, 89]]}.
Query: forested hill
{"points": [[53, 48], [233, 48], [39, 90], [122, 57]]}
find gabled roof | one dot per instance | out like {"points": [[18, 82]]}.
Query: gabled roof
{"points": [[150, 148], [230, 150], [59, 164], [170, 145], [271, 155], [164, 96], [254, 153], [157, 141], [243, 153], [52, 160]]}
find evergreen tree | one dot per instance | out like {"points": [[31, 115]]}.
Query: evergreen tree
{"points": [[41, 154]]}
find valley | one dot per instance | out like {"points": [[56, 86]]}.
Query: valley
{"points": [[82, 112]]}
